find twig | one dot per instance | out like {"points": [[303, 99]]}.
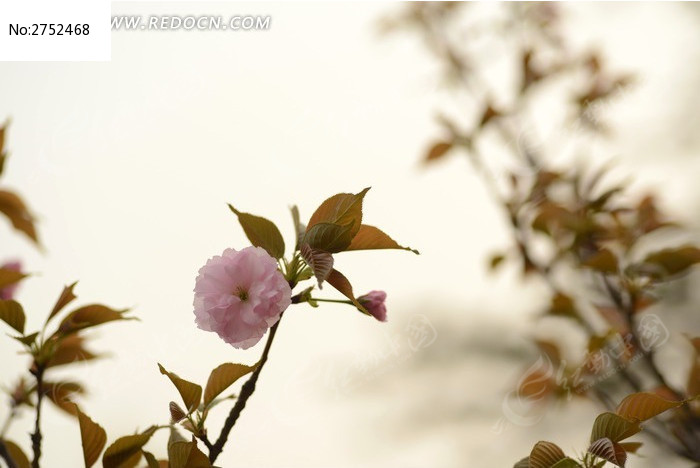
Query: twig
{"points": [[36, 436], [246, 392]]}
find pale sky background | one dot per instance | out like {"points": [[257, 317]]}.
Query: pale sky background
{"points": [[129, 166]]}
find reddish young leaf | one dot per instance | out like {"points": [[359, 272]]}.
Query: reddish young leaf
{"points": [[90, 316], [69, 350], [341, 283], [329, 237], [643, 406], [8, 277], [437, 151], [191, 393], [62, 395], [12, 313], [344, 209], [321, 262], [126, 449], [64, 299], [370, 238], [545, 454], [14, 208], [614, 427], [609, 450]]}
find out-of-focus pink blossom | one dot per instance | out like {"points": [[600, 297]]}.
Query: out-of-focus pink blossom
{"points": [[373, 301], [8, 292], [239, 295]]}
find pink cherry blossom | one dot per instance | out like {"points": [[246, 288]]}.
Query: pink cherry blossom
{"points": [[8, 292], [239, 295], [373, 301]]}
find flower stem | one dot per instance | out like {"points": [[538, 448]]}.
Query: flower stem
{"points": [[246, 392], [36, 436], [337, 301]]}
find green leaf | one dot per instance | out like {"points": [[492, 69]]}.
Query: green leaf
{"points": [[371, 238], [644, 405], [16, 211], [17, 454], [609, 450], [223, 377], [64, 299], [93, 438], [126, 449], [344, 209], [8, 277], [329, 237], [12, 313], [342, 284], [261, 233], [545, 454], [614, 427], [191, 393], [321, 262], [90, 316]]}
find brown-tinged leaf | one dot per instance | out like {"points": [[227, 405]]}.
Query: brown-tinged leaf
{"points": [[12, 313], [27, 340], [342, 284], [545, 454], [673, 261], [563, 306], [566, 463], [177, 414], [371, 238], [16, 211], [603, 261], [93, 438], [261, 232], [437, 151], [614, 427], [69, 350], [8, 277], [222, 378], [644, 405], [321, 262], [524, 463], [630, 447], [191, 393], [329, 237], [178, 453], [90, 316], [151, 460], [550, 349], [17, 454], [343, 209], [64, 299], [609, 450], [496, 260], [61, 394], [126, 449]]}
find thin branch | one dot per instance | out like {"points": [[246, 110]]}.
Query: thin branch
{"points": [[246, 392], [36, 436]]}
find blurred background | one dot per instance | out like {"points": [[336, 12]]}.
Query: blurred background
{"points": [[129, 165]]}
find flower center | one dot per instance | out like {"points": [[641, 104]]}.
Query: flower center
{"points": [[241, 293]]}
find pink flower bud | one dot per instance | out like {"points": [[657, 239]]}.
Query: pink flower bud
{"points": [[8, 292], [373, 301]]}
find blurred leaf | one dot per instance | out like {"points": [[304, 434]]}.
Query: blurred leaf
{"points": [[566, 463], [8, 277], [609, 450], [69, 350], [630, 447], [12, 313], [545, 454], [551, 350], [151, 460], [61, 394], [90, 316], [603, 261], [126, 449], [14, 208], [614, 427], [261, 233], [341, 283], [93, 438], [675, 260], [524, 463], [17, 454], [563, 306], [222, 378], [370, 238], [496, 260], [344, 209], [437, 151], [299, 228], [329, 237], [27, 340], [63, 300], [191, 393], [321, 262], [643, 406]]}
